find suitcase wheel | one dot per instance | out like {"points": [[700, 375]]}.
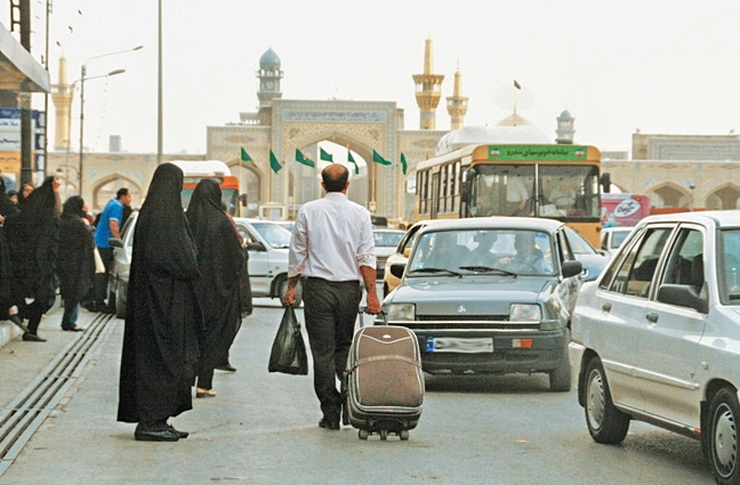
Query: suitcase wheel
{"points": [[403, 434], [363, 434]]}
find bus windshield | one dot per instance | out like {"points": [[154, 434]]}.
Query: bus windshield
{"points": [[229, 197], [564, 191]]}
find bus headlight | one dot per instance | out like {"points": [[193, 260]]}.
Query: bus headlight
{"points": [[401, 311], [521, 312]]}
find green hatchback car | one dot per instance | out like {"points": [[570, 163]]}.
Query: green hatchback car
{"points": [[490, 295]]}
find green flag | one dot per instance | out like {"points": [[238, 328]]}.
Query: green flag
{"points": [[274, 164], [378, 159], [300, 158], [245, 156], [325, 156], [404, 164], [351, 160]]}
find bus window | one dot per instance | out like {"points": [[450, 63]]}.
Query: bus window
{"points": [[503, 190], [569, 191]]}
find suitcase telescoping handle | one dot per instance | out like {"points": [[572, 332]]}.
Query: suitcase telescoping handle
{"points": [[361, 312]]}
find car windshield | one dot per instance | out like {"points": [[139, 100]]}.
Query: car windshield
{"points": [[387, 239], [577, 243], [618, 238], [276, 236], [482, 251], [729, 266]]}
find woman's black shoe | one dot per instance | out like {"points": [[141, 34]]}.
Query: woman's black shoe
{"points": [[227, 367], [32, 337], [155, 431]]}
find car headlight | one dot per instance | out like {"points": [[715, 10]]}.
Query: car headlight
{"points": [[521, 312], [401, 311]]}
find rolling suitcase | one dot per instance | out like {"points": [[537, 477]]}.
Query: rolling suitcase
{"points": [[385, 384]]}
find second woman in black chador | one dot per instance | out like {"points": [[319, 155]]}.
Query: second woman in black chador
{"points": [[220, 261], [75, 260], [160, 347]]}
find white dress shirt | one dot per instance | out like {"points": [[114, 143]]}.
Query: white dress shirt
{"points": [[332, 237]]}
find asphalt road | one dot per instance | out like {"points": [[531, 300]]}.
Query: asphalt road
{"points": [[261, 428]]}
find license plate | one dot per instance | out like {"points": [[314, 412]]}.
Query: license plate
{"points": [[460, 345]]}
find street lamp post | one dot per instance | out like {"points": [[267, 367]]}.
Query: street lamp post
{"points": [[82, 103]]}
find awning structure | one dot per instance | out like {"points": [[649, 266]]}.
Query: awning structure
{"points": [[19, 71]]}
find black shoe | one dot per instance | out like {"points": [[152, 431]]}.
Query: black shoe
{"points": [[32, 337], [158, 432], [180, 434], [15, 319], [326, 424], [227, 367], [163, 435], [73, 329]]}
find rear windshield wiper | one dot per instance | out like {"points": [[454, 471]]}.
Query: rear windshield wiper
{"points": [[436, 270], [488, 269]]}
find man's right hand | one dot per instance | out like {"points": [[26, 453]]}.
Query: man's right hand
{"points": [[289, 297]]}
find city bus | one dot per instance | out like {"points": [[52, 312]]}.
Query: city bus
{"points": [[551, 181], [195, 171]]}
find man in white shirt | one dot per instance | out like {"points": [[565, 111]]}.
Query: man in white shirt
{"points": [[332, 246]]}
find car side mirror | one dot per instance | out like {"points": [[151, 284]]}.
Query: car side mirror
{"points": [[256, 246], [572, 268], [115, 242], [683, 296], [243, 200], [397, 269]]}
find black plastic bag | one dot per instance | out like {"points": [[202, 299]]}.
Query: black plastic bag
{"points": [[288, 353]]}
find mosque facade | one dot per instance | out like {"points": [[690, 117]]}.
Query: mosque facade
{"points": [[262, 149]]}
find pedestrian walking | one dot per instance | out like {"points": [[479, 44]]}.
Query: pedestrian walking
{"points": [[32, 239], [220, 263], [75, 260], [8, 209], [332, 246], [160, 348], [110, 224]]}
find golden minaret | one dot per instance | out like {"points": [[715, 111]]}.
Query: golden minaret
{"points": [[457, 104], [61, 95], [428, 90]]}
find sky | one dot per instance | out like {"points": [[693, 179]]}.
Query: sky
{"points": [[617, 66]]}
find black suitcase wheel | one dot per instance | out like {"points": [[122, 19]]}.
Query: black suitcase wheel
{"points": [[363, 434], [403, 434]]}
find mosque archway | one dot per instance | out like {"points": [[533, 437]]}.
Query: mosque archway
{"points": [[724, 198], [250, 177], [670, 195], [105, 189]]}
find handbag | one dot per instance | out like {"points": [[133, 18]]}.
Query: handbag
{"points": [[288, 354], [99, 265]]}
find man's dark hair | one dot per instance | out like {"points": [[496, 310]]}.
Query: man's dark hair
{"points": [[335, 177], [121, 192]]}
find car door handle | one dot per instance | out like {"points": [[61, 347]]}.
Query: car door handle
{"points": [[652, 317], [607, 307]]}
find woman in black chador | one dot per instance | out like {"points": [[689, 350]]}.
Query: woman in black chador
{"points": [[32, 240], [160, 348], [8, 209], [75, 260], [220, 262]]}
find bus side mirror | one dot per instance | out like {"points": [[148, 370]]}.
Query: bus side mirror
{"points": [[467, 183], [243, 200], [606, 182]]}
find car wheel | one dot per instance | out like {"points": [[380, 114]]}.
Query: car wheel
{"points": [[605, 422], [282, 286], [560, 376], [723, 442], [120, 306]]}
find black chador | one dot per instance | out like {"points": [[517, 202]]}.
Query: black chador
{"points": [[160, 348], [220, 261]]}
